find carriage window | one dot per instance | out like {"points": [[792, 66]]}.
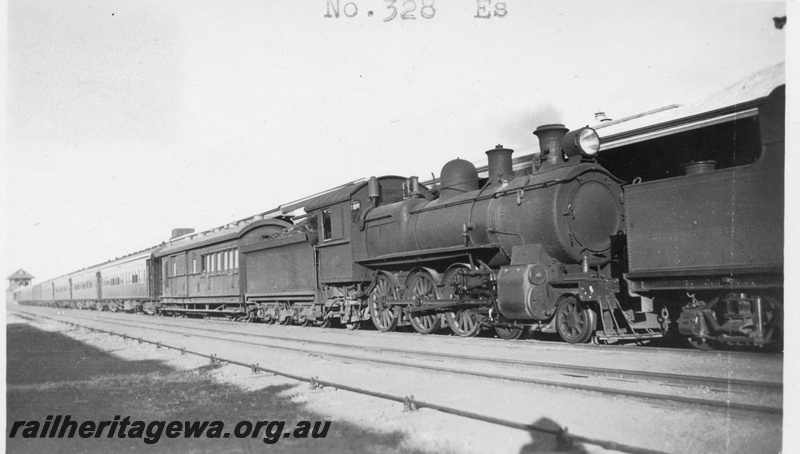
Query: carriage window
{"points": [[355, 210], [194, 265]]}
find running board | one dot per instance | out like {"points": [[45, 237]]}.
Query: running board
{"points": [[615, 324]]}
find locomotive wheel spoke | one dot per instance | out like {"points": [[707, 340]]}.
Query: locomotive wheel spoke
{"points": [[464, 322], [509, 332], [423, 285], [355, 317], [574, 321], [384, 317]]}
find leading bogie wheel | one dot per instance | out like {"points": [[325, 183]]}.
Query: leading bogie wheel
{"points": [[384, 316], [509, 332], [574, 320], [423, 285]]}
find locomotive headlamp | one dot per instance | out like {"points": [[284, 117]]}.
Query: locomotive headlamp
{"points": [[584, 141]]}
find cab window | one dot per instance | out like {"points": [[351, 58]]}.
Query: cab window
{"points": [[332, 223], [326, 224]]}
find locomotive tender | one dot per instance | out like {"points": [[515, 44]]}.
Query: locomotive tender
{"points": [[623, 245]]}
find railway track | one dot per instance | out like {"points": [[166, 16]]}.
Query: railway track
{"points": [[700, 391], [409, 402], [679, 343]]}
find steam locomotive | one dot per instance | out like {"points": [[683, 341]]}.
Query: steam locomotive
{"points": [[624, 245]]}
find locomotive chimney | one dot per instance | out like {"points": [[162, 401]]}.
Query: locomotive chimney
{"points": [[413, 187], [373, 189], [500, 167], [550, 137]]}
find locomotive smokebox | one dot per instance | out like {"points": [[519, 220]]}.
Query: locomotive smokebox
{"points": [[500, 167], [458, 176], [550, 137]]}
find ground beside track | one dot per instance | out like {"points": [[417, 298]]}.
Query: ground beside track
{"points": [[675, 430], [50, 373]]}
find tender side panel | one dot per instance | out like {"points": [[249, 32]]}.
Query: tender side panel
{"points": [[721, 220], [280, 266]]}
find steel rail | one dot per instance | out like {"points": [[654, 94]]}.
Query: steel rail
{"points": [[714, 404], [629, 374], [409, 402], [563, 345]]}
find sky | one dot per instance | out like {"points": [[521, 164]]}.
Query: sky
{"points": [[127, 119]]}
